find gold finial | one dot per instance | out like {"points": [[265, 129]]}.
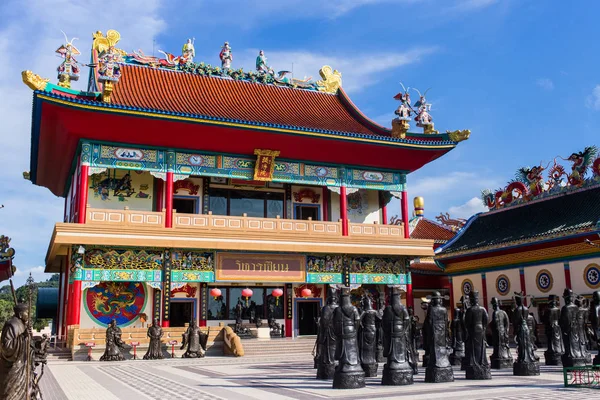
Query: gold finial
{"points": [[458, 135], [107, 89], [34, 81], [103, 43], [419, 204], [399, 128], [332, 79]]}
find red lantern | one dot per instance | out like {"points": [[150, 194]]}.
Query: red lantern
{"points": [[277, 293], [215, 293], [306, 292], [247, 293]]}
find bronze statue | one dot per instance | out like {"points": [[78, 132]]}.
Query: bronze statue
{"points": [[14, 353], [155, 333], [595, 320], [501, 357], [327, 340], [380, 308], [465, 305], [195, 340], [527, 362], [476, 321], [532, 325], [436, 325], [458, 344], [582, 322], [556, 347], [413, 354], [114, 343], [346, 319], [367, 337], [396, 339], [574, 355]]}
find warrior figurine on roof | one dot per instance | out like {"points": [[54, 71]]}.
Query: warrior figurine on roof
{"points": [[69, 69], [261, 64], [423, 118], [404, 110], [188, 52], [108, 67], [226, 56]]}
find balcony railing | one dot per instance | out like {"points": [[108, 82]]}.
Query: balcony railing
{"points": [[211, 225]]}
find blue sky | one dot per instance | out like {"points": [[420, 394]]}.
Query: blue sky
{"points": [[522, 75]]}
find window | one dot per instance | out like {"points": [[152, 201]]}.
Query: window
{"points": [[185, 205], [252, 203], [218, 201], [255, 302], [306, 212], [217, 308]]}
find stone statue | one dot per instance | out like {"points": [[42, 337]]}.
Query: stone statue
{"points": [[532, 325], [595, 320], [327, 340], [188, 52], [14, 352], [425, 337], [226, 56], [573, 356], [458, 344], [346, 319], [527, 362], [239, 311], [155, 333], [273, 325], [261, 64], [465, 305], [436, 323], [194, 341], [556, 347], [114, 343], [40, 357], [476, 321], [367, 337], [582, 322], [380, 308], [413, 355], [501, 357], [396, 339]]}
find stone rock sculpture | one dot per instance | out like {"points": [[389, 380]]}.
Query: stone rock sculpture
{"points": [[396, 328], [436, 325], [527, 362], [501, 357], [476, 321]]}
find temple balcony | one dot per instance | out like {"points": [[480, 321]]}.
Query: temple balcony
{"points": [[126, 227]]}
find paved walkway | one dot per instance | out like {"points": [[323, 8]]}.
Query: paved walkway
{"points": [[270, 377]]}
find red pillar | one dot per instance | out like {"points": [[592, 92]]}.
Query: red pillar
{"points": [[484, 291], [75, 304], [289, 315], [83, 194], [169, 200], [404, 210], [344, 210], [410, 301], [523, 289], [61, 288], [325, 203], [66, 289], [567, 275], [384, 219]]}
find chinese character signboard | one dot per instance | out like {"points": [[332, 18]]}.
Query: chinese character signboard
{"points": [[265, 164]]}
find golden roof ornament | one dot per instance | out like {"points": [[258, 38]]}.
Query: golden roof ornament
{"points": [[458, 135], [103, 43], [34, 81], [332, 80]]}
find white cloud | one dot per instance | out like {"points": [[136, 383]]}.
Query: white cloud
{"points": [[466, 210], [358, 70], [29, 42], [593, 100], [438, 185], [545, 83]]}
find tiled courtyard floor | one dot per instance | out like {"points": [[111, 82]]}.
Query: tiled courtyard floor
{"points": [[275, 377]]}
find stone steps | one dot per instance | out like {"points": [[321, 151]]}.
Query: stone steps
{"points": [[254, 347]]}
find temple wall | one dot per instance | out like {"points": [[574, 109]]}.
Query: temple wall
{"points": [[492, 282], [139, 194], [457, 284], [580, 282], [363, 206]]}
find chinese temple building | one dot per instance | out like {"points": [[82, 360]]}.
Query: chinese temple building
{"points": [[189, 188], [540, 236]]}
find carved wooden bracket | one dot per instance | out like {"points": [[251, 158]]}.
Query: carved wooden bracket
{"points": [[189, 291], [186, 185], [307, 193]]}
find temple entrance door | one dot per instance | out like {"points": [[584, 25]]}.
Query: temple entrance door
{"points": [[307, 312], [181, 313]]}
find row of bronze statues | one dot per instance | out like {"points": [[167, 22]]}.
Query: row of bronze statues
{"points": [[193, 340], [351, 343], [276, 329]]}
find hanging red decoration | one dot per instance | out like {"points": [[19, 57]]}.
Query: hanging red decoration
{"points": [[214, 292], [277, 293], [306, 292], [247, 293]]}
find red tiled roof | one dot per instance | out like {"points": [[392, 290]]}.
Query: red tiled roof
{"points": [[179, 92], [427, 229]]}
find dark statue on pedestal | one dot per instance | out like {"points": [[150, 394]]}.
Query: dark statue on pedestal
{"points": [[582, 322], [380, 308], [425, 336], [574, 356], [239, 328], [458, 344], [465, 304], [396, 339], [595, 320], [273, 325], [370, 320], [155, 333], [527, 362], [532, 325], [436, 327], [413, 356], [194, 341], [326, 340], [556, 347], [114, 343], [20, 354], [346, 319], [501, 357], [476, 321]]}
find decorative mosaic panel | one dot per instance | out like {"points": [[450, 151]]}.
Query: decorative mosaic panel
{"points": [[121, 301], [193, 261], [192, 276], [194, 163], [369, 265], [359, 178], [123, 259], [334, 278], [106, 156], [120, 275], [324, 264], [382, 279]]}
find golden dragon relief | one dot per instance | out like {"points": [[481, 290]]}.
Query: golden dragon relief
{"points": [[34, 81], [332, 79]]}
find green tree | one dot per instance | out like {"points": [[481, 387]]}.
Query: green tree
{"points": [[6, 311]]}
